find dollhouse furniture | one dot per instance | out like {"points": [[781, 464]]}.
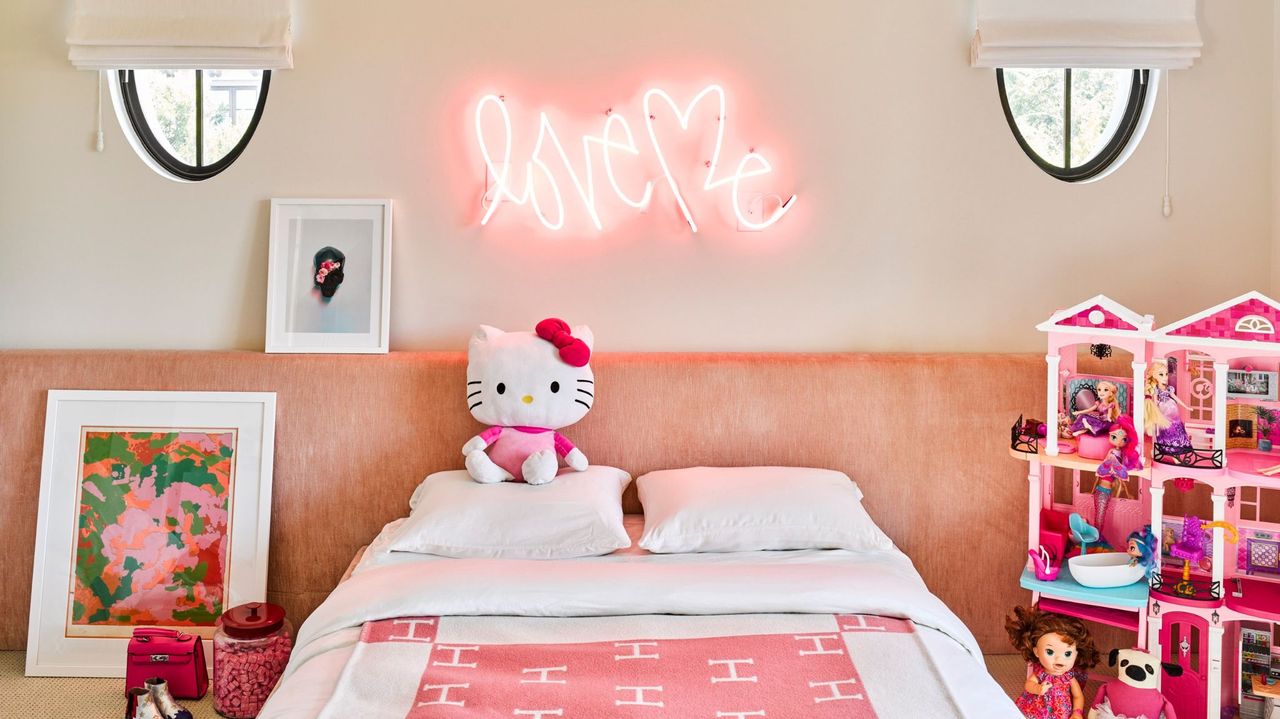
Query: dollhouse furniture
{"points": [[1055, 534], [1191, 547], [1211, 607]]}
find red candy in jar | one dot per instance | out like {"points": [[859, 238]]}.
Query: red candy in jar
{"points": [[250, 649]]}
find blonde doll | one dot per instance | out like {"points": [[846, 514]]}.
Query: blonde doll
{"points": [[1163, 420], [1096, 419]]}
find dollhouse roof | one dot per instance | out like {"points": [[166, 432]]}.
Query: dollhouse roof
{"points": [[1251, 317], [1100, 313]]}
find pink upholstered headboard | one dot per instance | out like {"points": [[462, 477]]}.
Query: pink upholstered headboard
{"points": [[925, 436]]}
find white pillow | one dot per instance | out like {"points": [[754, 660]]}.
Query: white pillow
{"points": [[579, 514], [739, 509]]}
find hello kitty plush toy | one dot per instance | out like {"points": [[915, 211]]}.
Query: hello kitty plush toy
{"points": [[527, 385]]}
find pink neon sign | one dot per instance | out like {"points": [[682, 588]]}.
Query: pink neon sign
{"points": [[614, 140]]}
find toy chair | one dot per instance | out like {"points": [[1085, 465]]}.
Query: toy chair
{"points": [[1055, 534], [1083, 532], [1191, 548]]}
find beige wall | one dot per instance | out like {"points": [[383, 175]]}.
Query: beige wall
{"points": [[920, 224], [1275, 151]]}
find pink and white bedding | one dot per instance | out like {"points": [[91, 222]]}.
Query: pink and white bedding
{"points": [[808, 633]]}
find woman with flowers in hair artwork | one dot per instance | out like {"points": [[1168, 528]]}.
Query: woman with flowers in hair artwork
{"points": [[328, 269]]}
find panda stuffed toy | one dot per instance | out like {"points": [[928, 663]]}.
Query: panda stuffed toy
{"points": [[1134, 693]]}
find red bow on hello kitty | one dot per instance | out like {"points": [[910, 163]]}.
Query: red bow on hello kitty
{"points": [[573, 351]]}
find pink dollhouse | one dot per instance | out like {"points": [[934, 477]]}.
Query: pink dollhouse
{"points": [[1202, 395]]}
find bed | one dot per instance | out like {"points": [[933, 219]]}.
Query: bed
{"points": [[805, 633]]}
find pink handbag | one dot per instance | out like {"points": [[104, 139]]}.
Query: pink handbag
{"points": [[176, 657]]}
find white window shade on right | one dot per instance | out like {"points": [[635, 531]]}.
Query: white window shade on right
{"points": [[1134, 34]]}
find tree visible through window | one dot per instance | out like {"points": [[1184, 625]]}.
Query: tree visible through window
{"points": [[194, 123], [1074, 123]]}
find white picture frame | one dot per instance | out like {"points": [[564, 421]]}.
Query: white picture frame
{"points": [[356, 317], [217, 449], [1253, 384]]}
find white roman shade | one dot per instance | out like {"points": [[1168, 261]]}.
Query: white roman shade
{"points": [[181, 34], [1086, 33]]}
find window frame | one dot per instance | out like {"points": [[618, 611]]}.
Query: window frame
{"points": [[155, 149], [1255, 324], [1114, 150]]}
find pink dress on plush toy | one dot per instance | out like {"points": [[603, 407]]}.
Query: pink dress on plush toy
{"points": [[527, 385], [509, 447]]}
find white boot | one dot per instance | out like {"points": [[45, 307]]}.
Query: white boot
{"points": [[540, 467], [169, 709], [483, 470], [141, 705]]}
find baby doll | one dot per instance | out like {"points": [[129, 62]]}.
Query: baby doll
{"points": [[1163, 420], [1058, 650], [1142, 548], [526, 385], [1122, 457], [1096, 418]]}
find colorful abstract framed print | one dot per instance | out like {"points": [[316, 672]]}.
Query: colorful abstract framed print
{"points": [[329, 276], [155, 510]]}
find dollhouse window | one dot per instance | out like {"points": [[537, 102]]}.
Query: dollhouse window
{"points": [[1200, 396], [1254, 324], [193, 124], [1075, 124], [1260, 505]]}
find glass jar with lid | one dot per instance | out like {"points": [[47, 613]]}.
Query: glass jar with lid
{"points": [[251, 647]]}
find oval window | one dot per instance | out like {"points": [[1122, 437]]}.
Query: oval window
{"points": [[192, 124], [1076, 124]]}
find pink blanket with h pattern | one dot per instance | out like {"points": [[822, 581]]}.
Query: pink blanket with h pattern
{"points": [[804, 634], [742, 666]]}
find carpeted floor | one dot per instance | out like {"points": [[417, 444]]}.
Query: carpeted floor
{"points": [[22, 698]]}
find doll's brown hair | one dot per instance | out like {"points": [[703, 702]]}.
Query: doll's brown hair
{"points": [[1028, 624]]}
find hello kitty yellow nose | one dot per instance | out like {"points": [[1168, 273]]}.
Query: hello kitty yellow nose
{"points": [[527, 399]]}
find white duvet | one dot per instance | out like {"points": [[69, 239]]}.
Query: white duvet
{"points": [[947, 665]]}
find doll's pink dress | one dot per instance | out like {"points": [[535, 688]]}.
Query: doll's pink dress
{"points": [[1053, 704]]}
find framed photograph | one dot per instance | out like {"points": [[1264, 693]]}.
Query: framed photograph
{"points": [[329, 276], [155, 510], [1248, 384]]}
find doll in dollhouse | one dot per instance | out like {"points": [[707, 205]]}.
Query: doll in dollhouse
{"points": [[1164, 420], [1096, 419], [1143, 550], [1122, 458]]}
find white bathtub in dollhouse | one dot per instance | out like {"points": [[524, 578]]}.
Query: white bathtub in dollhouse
{"points": [[1105, 569]]}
